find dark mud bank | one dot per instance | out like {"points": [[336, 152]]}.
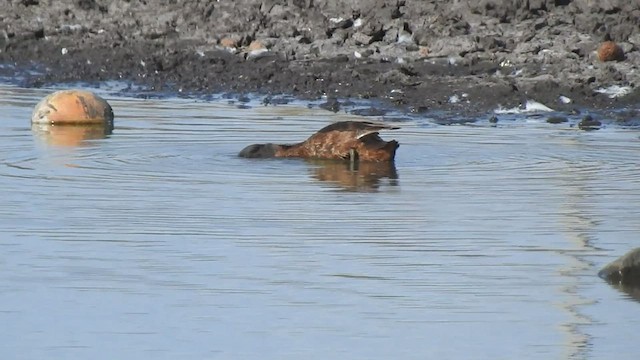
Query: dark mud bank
{"points": [[464, 56]]}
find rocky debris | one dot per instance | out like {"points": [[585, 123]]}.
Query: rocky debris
{"points": [[496, 51]]}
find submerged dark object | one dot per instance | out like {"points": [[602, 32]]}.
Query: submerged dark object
{"points": [[625, 270], [345, 140], [589, 123]]}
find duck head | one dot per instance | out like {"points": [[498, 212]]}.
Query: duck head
{"points": [[259, 151]]}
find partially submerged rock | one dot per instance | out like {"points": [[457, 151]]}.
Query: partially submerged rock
{"points": [[589, 123], [625, 270], [556, 119]]}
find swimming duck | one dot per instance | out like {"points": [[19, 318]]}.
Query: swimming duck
{"points": [[344, 140]]}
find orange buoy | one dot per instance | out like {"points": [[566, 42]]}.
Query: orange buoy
{"points": [[73, 107], [610, 51]]}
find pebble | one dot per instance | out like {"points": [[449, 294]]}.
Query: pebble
{"points": [[589, 123], [557, 119], [228, 42], [610, 51]]}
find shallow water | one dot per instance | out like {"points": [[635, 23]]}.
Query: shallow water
{"points": [[158, 242]]}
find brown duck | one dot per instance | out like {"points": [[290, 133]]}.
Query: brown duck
{"points": [[345, 140]]}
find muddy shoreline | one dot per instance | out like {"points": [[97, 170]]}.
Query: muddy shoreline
{"points": [[468, 57]]}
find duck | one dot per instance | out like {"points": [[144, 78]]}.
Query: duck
{"points": [[343, 140]]}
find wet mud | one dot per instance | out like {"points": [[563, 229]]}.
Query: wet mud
{"points": [[414, 56]]}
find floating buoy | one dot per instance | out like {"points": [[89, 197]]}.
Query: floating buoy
{"points": [[73, 107], [70, 117]]}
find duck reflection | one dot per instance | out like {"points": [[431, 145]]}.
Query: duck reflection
{"points": [[70, 135], [632, 290], [358, 176]]}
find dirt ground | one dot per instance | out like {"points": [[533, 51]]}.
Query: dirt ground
{"points": [[466, 56]]}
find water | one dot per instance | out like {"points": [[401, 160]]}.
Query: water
{"points": [[157, 242]]}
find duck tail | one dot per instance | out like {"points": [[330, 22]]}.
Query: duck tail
{"points": [[392, 145]]}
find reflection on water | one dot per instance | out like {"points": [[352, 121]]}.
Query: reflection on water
{"points": [[157, 241], [69, 135], [356, 176], [633, 290], [578, 227]]}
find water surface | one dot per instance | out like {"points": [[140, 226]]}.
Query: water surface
{"points": [[158, 242]]}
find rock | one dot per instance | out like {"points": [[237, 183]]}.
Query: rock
{"points": [[361, 38], [625, 270], [256, 45], [256, 50], [73, 107], [557, 119], [229, 42], [589, 123], [458, 45], [332, 104], [610, 51], [369, 111], [362, 54]]}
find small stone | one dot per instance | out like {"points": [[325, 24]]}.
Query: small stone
{"points": [[341, 23], [419, 109], [332, 105], [610, 51], [589, 123], [362, 39], [405, 37], [256, 45], [256, 50], [370, 111], [363, 54], [304, 40], [564, 99], [228, 42], [557, 119]]}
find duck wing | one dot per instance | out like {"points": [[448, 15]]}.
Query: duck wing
{"points": [[360, 128], [371, 129]]}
